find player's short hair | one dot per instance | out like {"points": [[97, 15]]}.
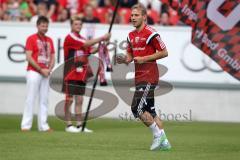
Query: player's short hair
{"points": [[88, 5], [140, 6], [75, 18], [42, 19]]}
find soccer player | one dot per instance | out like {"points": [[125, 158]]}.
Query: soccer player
{"points": [[76, 71], [40, 57], [144, 48]]}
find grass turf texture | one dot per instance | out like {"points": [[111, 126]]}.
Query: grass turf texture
{"points": [[119, 140]]}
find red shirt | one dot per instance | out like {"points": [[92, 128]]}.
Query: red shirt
{"points": [[42, 48], [141, 44], [74, 53], [73, 5], [2, 2]]}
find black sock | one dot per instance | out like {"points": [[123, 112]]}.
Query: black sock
{"points": [[78, 126]]}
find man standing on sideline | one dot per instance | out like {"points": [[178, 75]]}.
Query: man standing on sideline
{"points": [[41, 58], [76, 71], [144, 48]]}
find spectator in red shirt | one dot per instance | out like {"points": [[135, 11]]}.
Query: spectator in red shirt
{"points": [[1, 13], [63, 15], [74, 6], [12, 10], [152, 4], [164, 19], [3, 4], [51, 7], [88, 15], [41, 11]]}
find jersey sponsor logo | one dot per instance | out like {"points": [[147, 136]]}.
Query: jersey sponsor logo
{"points": [[138, 48]]}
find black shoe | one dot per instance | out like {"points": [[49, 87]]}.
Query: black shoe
{"points": [[103, 83], [109, 69]]}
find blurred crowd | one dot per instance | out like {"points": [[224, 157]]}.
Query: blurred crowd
{"points": [[92, 11]]}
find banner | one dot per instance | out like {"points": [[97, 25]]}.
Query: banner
{"points": [[215, 29], [183, 66]]}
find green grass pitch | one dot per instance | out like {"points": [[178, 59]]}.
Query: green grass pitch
{"points": [[119, 140]]}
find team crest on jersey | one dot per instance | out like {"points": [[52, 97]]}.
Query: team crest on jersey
{"points": [[137, 39]]}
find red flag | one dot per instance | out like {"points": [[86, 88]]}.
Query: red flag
{"points": [[215, 29]]}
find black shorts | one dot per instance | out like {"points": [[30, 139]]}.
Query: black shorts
{"points": [[73, 87], [143, 100]]}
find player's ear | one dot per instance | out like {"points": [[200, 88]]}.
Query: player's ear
{"points": [[145, 17]]}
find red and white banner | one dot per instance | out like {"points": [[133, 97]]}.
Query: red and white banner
{"points": [[215, 29]]}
